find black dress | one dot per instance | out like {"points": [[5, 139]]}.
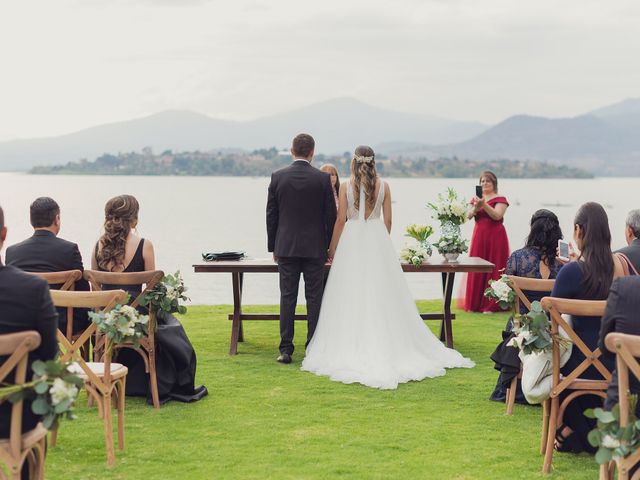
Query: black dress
{"points": [[175, 356]]}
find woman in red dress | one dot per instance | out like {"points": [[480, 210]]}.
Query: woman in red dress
{"points": [[489, 241]]}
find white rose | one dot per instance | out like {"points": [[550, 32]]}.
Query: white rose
{"points": [[609, 442], [501, 290], [61, 391]]}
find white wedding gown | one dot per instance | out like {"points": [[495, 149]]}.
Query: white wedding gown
{"points": [[369, 330]]}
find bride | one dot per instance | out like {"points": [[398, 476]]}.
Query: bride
{"points": [[369, 330]]}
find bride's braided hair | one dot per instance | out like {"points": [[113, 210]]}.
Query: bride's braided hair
{"points": [[120, 216], [364, 173]]}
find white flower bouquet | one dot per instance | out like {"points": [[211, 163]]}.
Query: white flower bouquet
{"points": [[451, 244], [167, 295], [449, 208], [52, 391], [123, 324], [415, 255], [501, 291]]}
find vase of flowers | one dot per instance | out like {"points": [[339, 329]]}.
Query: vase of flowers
{"points": [[451, 211], [416, 255], [451, 247], [421, 234]]}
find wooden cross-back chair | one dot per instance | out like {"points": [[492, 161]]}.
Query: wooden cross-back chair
{"points": [[627, 349], [28, 446], [147, 348], [556, 307], [520, 284], [67, 279], [104, 381]]}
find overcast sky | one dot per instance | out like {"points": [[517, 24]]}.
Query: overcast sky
{"points": [[71, 64]]}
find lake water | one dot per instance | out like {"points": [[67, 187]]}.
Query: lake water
{"points": [[185, 216]]}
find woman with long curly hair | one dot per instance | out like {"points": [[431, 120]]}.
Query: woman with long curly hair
{"points": [[369, 330], [335, 180], [121, 249]]}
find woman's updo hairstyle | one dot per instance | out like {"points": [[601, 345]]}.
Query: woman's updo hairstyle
{"points": [[120, 216], [363, 172]]}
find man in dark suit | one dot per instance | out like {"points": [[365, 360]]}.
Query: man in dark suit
{"points": [[301, 212], [25, 304], [46, 252], [632, 234]]}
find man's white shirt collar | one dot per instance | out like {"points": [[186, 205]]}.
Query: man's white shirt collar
{"points": [[301, 160]]}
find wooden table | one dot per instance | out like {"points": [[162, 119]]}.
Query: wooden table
{"points": [[237, 269]]}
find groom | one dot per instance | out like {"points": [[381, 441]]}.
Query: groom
{"points": [[301, 212]]}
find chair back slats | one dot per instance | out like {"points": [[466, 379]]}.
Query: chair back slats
{"points": [[67, 279], [100, 301], [17, 346], [627, 349], [556, 307], [530, 284]]}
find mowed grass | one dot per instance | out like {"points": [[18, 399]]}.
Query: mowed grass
{"points": [[266, 420]]}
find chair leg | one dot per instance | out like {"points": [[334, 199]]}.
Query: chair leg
{"points": [[510, 397], [604, 473], [40, 458], [54, 437], [120, 406], [551, 435], [545, 426], [153, 379], [108, 428]]}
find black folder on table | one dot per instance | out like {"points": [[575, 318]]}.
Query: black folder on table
{"points": [[220, 256]]}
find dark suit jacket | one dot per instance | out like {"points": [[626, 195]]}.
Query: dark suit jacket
{"points": [[633, 252], [45, 252], [25, 304], [621, 315], [301, 211]]}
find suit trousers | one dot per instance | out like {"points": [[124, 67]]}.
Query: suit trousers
{"points": [[312, 270]]}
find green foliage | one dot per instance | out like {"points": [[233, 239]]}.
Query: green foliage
{"points": [[502, 292], [52, 391], [264, 161], [612, 440], [451, 244], [167, 295], [122, 324]]}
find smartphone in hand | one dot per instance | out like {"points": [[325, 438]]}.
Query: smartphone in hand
{"points": [[563, 250], [479, 191]]}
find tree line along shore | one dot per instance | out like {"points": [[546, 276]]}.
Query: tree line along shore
{"points": [[264, 161]]}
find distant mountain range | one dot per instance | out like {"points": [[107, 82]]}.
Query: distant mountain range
{"points": [[605, 141]]}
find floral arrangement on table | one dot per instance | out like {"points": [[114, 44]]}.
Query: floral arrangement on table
{"points": [[449, 208], [415, 255], [613, 441], [451, 211], [167, 295], [122, 324], [52, 391]]}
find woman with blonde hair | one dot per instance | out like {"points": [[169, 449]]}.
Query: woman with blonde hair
{"points": [[369, 330], [122, 249], [335, 180]]}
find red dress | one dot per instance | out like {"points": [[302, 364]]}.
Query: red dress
{"points": [[489, 241]]}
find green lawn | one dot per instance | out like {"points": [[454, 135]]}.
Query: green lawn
{"points": [[267, 420]]}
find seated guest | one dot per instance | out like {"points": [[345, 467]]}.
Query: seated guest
{"points": [[46, 252], [536, 260], [121, 249], [25, 304], [632, 234], [587, 277], [621, 315]]}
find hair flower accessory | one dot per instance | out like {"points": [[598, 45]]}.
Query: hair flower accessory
{"points": [[362, 159]]}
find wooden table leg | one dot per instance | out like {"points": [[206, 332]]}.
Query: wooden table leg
{"points": [[236, 324], [446, 329], [241, 333]]}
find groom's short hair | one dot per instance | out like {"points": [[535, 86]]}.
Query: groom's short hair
{"points": [[303, 145]]}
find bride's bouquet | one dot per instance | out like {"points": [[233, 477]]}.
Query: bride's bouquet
{"points": [[449, 208]]}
